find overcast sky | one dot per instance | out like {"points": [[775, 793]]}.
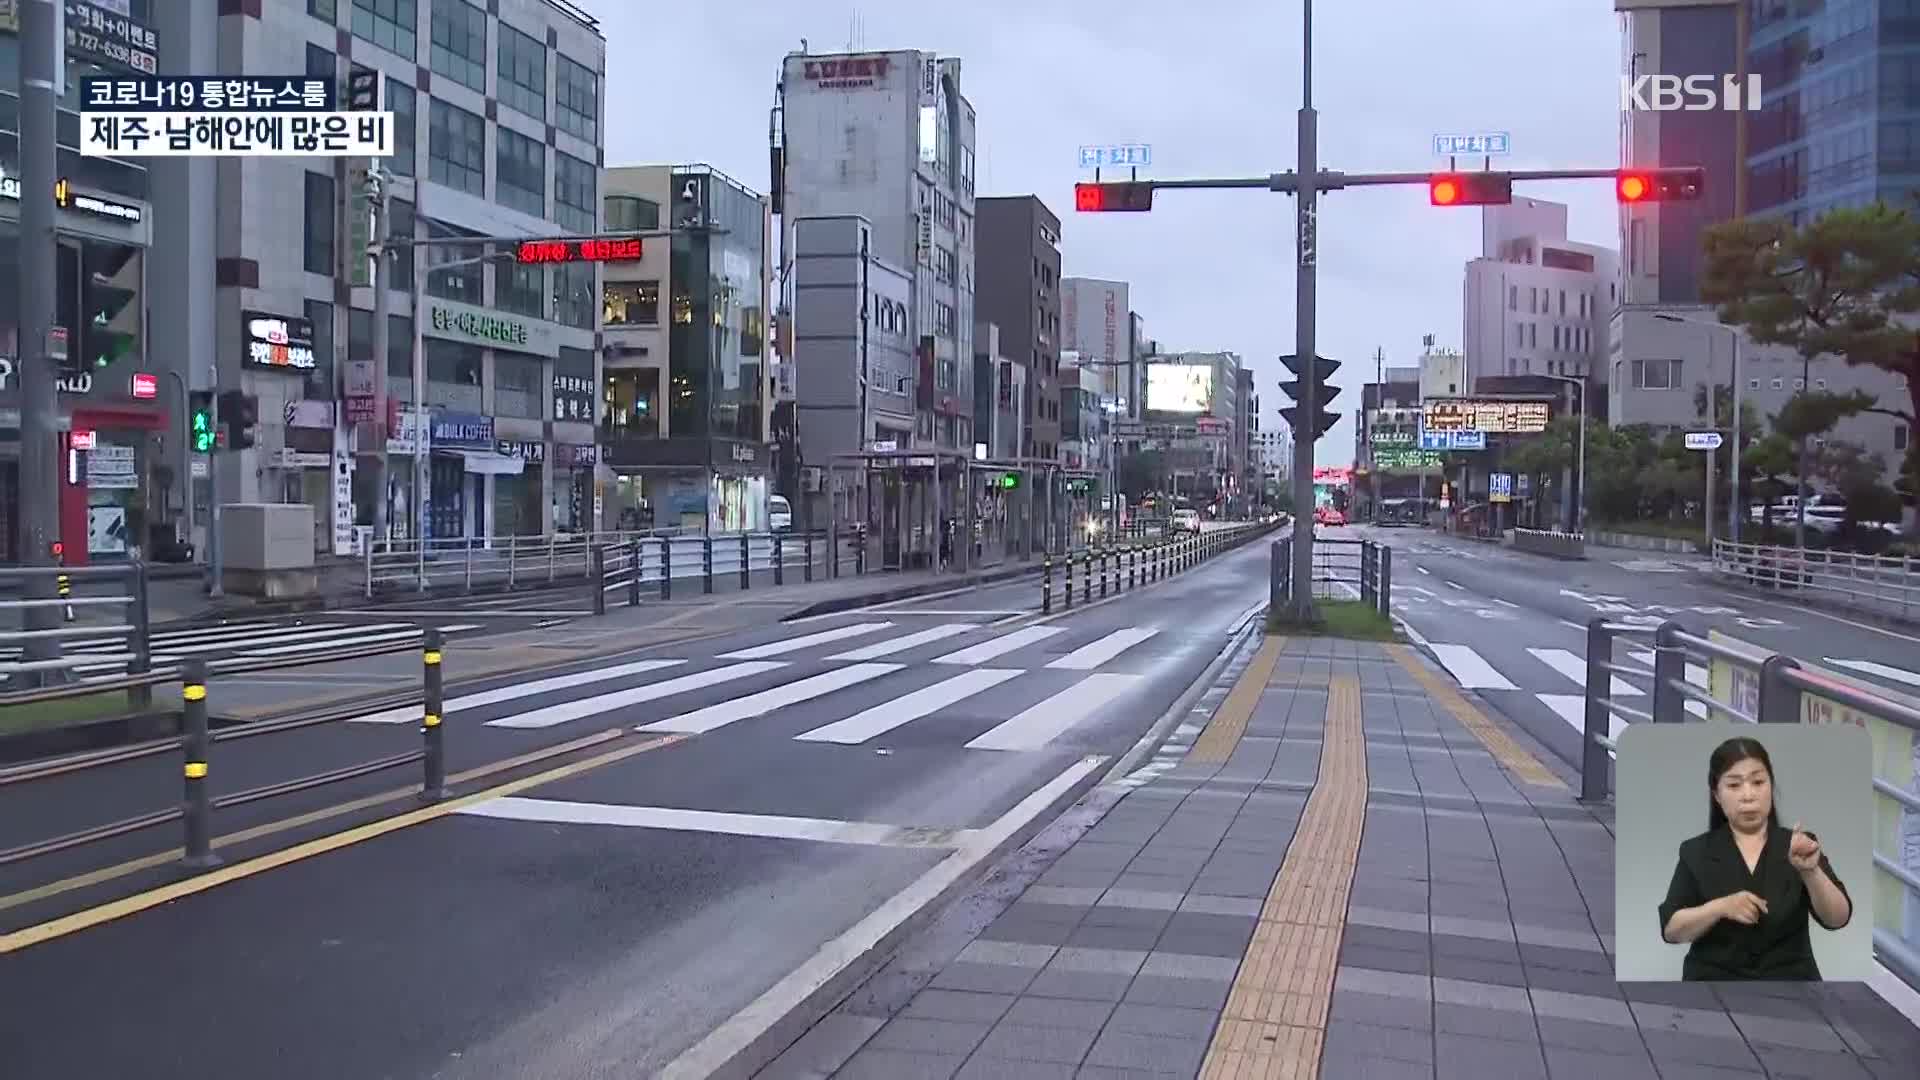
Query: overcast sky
{"points": [[1213, 86]]}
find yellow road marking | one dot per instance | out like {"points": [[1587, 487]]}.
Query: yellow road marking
{"points": [[117, 909], [1229, 722], [1275, 1021], [1509, 753]]}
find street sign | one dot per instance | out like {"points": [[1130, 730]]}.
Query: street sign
{"points": [[1477, 144], [1703, 440], [1500, 487], [1453, 440], [1116, 155]]}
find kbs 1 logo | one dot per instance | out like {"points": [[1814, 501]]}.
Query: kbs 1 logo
{"points": [[1691, 93]]}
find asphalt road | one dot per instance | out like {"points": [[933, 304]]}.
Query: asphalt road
{"points": [[603, 923], [1512, 626]]}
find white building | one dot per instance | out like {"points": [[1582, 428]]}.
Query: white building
{"points": [[1096, 322], [1443, 372], [1536, 303]]}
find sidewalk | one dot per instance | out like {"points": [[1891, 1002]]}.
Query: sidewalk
{"points": [[1352, 873]]}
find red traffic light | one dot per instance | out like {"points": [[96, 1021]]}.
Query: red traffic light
{"points": [[1100, 198], [1470, 189], [1634, 187], [1660, 185]]}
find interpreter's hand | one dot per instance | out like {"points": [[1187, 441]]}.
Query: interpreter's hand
{"points": [[1742, 907], [1804, 851]]}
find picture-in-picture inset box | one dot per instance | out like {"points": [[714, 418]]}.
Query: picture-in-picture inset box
{"points": [[1743, 851]]}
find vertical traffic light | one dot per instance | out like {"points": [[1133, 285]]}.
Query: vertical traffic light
{"points": [[109, 316], [1104, 198], [239, 412], [1684, 184], [200, 421], [1325, 392], [1470, 189]]}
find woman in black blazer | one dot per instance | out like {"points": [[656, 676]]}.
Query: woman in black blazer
{"points": [[1743, 891]]}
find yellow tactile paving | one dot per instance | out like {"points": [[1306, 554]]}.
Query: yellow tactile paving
{"points": [[1504, 749], [1229, 722], [1276, 1014]]}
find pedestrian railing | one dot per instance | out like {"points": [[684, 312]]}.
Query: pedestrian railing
{"points": [[1877, 584], [462, 563], [1720, 678], [1343, 569], [1553, 542], [1108, 569], [644, 566], [49, 615], [194, 745]]}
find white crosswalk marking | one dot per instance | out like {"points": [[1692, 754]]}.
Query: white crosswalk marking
{"points": [[1000, 646], [1034, 728], [517, 691], [1697, 675], [902, 644], [806, 641], [620, 699], [1469, 669], [1573, 709], [1872, 667], [704, 720], [1575, 668], [1094, 653], [884, 717]]}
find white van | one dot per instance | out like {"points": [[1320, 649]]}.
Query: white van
{"points": [[779, 513]]}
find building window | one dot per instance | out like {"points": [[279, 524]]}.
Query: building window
{"points": [[318, 238], [516, 386], [1520, 335], [1533, 335], [630, 303], [573, 295], [1900, 437], [1513, 298], [400, 228], [1656, 374], [399, 341], [576, 95], [460, 43], [457, 148], [400, 99], [630, 213], [520, 172], [1778, 383], [574, 193], [320, 63], [522, 80], [320, 379], [521, 290], [465, 284], [391, 24], [944, 323], [325, 10]]}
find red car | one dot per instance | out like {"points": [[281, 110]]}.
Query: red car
{"points": [[1327, 515]]}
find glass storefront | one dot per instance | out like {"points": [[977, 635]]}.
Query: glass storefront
{"points": [[516, 502], [717, 338]]}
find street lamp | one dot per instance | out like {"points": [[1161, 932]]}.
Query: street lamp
{"points": [[1738, 509], [1580, 484]]}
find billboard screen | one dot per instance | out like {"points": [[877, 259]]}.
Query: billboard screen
{"points": [[1180, 388]]}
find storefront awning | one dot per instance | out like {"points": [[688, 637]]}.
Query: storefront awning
{"points": [[488, 463]]}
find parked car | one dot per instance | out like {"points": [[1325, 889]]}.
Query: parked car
{"points": [[1186, 519], [1328, 515], [779, 513]]}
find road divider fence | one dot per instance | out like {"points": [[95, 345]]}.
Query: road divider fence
{"points": [[1343, 569], [1884, 585], [1111, 569], [47, 615], [1551, 542]]}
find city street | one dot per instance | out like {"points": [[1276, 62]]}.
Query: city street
{"points": [[730, 804], [1512, 626]]}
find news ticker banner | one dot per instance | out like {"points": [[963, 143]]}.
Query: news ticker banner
{"points": [[226, 116]]}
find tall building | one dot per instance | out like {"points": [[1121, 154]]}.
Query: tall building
{"points": [[1020, 293], [687, 400], [1192, 405], [889, 137], [1535, 302], [1097, 323]]}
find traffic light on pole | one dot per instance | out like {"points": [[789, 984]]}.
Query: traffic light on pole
{"points": [[1295, 388], [1470, 189], [1100, 198], [200, 421], [1683, 184], [239, 413]]}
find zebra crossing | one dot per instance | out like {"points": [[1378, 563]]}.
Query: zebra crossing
{"points": [[238, 641], [1043, 694], [1556, 668]]}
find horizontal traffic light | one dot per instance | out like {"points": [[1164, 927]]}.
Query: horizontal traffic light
{"points": [[1099, 198], [1683, 184], [1470, 189]]}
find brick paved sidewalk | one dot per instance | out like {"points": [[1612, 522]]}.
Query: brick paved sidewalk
{"points": [[1316, 891]]}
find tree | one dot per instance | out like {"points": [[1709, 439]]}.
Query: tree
{"points": [[1831, 288]]}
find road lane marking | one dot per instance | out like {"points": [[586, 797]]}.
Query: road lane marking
{"points": [[1423, 569], [1574, 667], [1094, 653], [884, 717], [805, 641], [1507, 603], [701, 721], [1456, 585], [726, 1042], [1469, 669], [567, 711], [465, 613], [1005, 643], [902, 644], [412, 713], [1871, 667], [769, 826], [1034, 728], [166, 894], [1573, 709]]}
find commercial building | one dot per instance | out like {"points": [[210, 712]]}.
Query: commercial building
{"points": [[1388, 461], [1192, 404], [687, 397], [1535, 302], [1021, 293], [1098, 324]]}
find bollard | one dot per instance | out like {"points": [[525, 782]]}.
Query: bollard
{"points": [[807, 573], [140, 641], [779, 561], [860, 554], [1385, 584], [1069, 559], [746, 559], [65, 584], [1780, 701], [706, 564], [666, 568], [1046, 586], [1599, 718], [1086, 576], [434, 787], [1103, 573], [197, 804], [636, 563], [599, 555], [1133, 565], [1669, 673]]}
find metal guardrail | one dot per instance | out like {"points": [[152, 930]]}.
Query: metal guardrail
{"points": [[462, 562], [1781, 686], [195, 810], [1553, 542], [1349, 569], [130, 626], [1878, 584], [644, 565], [1114, 568]]}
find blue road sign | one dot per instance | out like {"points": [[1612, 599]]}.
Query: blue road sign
{"points": [[1116, 155], [1478, 144], [1453, 440]]}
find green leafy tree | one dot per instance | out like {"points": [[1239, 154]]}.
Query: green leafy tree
{"points": [[1770, 461]]}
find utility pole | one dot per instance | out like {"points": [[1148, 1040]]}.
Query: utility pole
{"points": [[40, 451], [1303, 344], [378, 229]]}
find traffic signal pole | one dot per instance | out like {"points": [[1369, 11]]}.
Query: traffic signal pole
{"points": [[40, 443], [1306, 302]]}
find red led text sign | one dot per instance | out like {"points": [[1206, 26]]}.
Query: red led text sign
{"points": [[624, 249], [145, 386]]}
